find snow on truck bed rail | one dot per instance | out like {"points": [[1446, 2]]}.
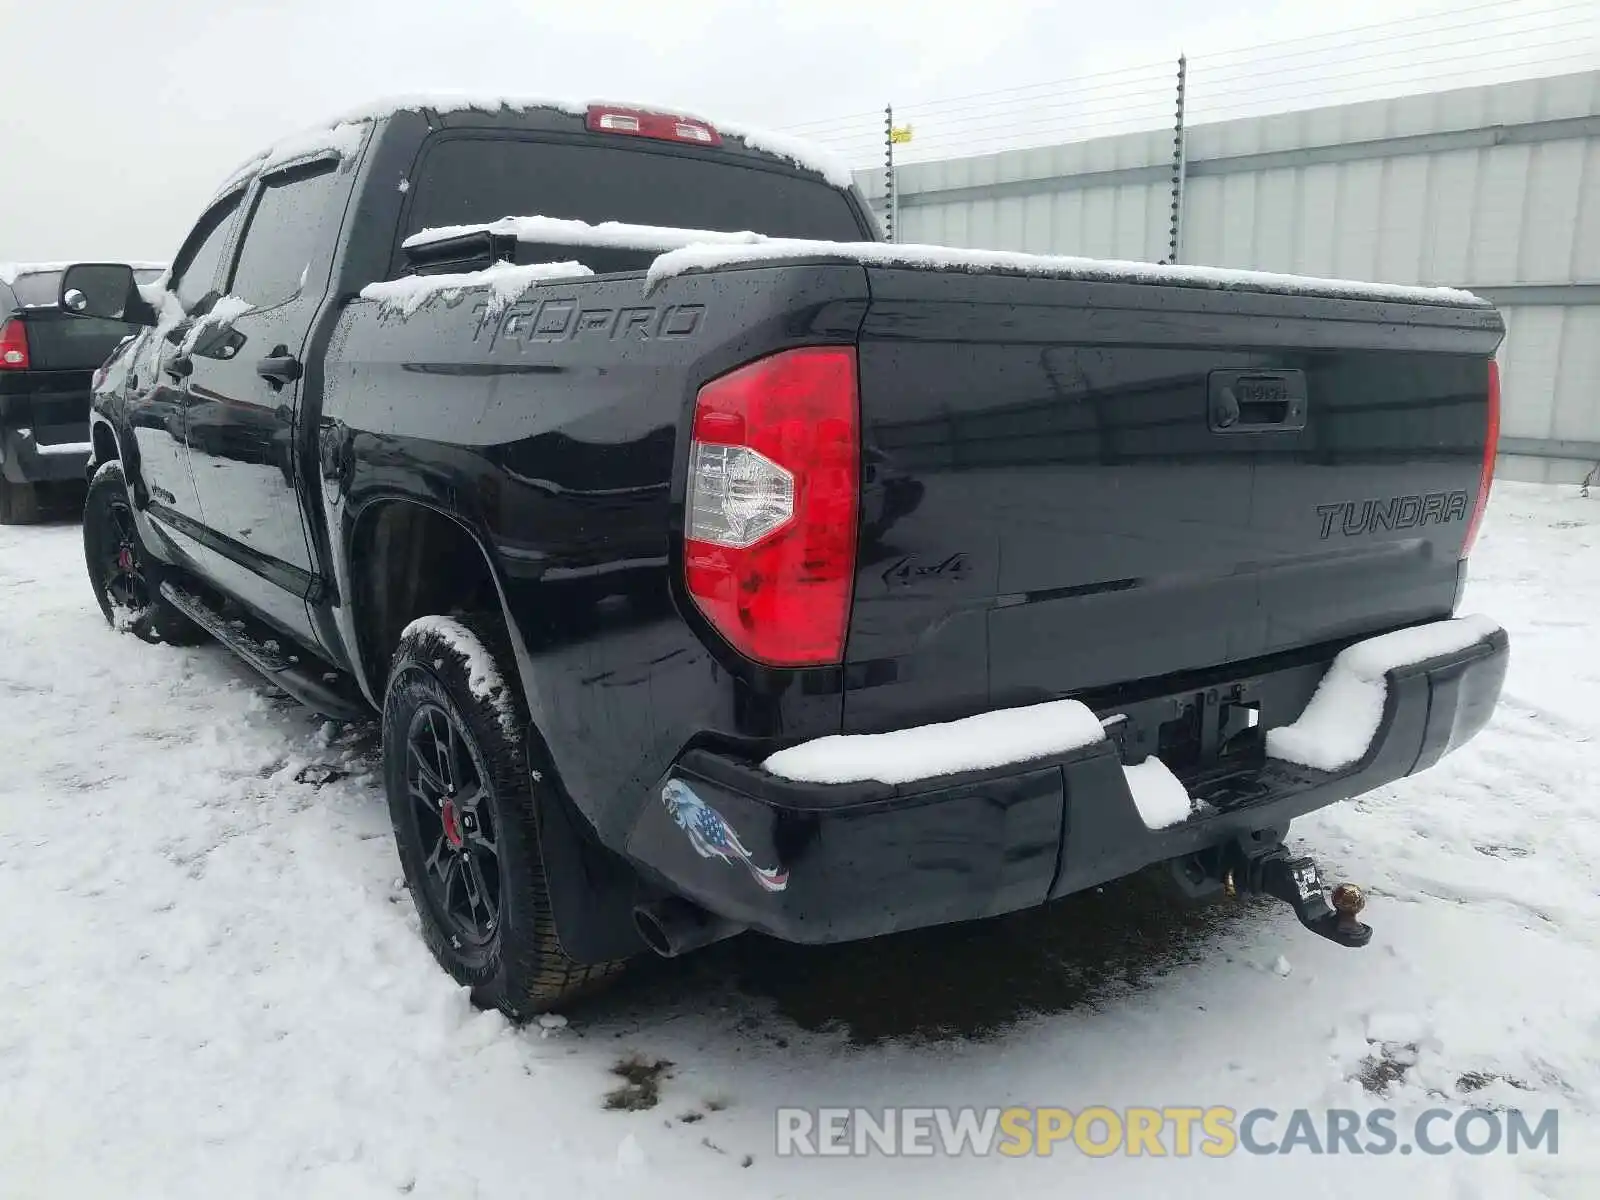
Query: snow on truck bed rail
{"points": [[560, 231], [686, 250], [506, 282], [886, 254]]}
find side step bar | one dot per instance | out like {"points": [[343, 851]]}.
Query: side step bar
{"points": [[312, 683]]}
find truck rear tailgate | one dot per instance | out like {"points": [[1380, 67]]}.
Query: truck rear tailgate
{"points": [[1072, 485]]}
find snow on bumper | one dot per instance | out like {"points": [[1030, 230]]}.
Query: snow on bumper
{"points": [[1339, 725], [812, 861]]}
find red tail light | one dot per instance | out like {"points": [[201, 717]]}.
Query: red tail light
{"points": [[770, 528], [663, 127], [13, 346], [1491, 443]]}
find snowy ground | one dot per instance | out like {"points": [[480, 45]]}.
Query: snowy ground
{"points": [[212, 984]]}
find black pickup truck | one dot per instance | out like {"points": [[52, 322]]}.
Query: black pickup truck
{"points": [[710, 580], [47, 363]]}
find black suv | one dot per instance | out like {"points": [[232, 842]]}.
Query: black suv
{"points": [[47, 363]]}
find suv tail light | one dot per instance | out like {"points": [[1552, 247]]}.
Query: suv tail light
{"points": [[1491, 445], [770, 522], [13, 346], [638, 122]]}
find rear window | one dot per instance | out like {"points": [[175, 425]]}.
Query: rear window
{"points": [[58, 342], [467, 181], [37, 287]]}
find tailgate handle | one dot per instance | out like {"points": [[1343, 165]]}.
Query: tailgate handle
{"points": [[1257, 401]]}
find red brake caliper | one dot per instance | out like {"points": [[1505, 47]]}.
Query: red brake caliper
{"points": [[452, 824]]}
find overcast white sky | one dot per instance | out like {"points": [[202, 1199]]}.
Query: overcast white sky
{"points": [[121, 116]]}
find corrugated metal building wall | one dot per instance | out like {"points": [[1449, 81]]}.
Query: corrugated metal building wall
{"points": [[1494, 188]]}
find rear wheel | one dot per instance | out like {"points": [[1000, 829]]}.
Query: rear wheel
{"points": [[462, 802], [125, 577], [19, 503]]}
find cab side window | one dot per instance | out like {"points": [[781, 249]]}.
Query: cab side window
{"points": [[284, 234], [195, 272]]}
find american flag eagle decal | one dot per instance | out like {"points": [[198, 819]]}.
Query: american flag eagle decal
{"points": [[712, 837]]}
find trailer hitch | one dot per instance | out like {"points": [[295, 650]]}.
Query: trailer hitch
{"points": [[1298, 883], [1242, 869]]}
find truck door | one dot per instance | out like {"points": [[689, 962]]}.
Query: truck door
{"points": [[245, 390], [157, 395]]}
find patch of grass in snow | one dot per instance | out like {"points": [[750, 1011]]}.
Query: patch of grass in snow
{"points": [[1386, 1066], [1497, 850], [641, 1084], [1476, 1081], [318, 774]]}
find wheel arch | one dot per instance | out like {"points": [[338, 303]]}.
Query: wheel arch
{"points": [[104, 440], [391, 539]]}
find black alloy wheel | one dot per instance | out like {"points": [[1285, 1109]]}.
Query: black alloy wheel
{"points": [[453, 804], [122, 568], [125, 576]]}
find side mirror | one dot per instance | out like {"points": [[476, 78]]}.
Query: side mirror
{"points": [[107, 290]]}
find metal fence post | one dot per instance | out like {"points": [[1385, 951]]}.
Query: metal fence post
{"points": [[1180, 161], [888, 172]]}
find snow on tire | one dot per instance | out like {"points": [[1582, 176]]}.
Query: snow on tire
{"points": [[462, 801]]}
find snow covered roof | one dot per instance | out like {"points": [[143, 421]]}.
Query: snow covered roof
{"points": [[10, 272], [342, 133], [341, 139], [884, 254], [802, 154]]}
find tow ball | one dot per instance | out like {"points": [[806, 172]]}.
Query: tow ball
{"points": [[1241, 870]]}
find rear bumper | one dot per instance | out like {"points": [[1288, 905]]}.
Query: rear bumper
{"points": [[836, 862], [26, 459]]}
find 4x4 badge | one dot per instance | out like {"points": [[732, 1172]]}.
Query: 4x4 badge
{"points": [[711, 835]]}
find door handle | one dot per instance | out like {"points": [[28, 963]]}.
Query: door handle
{"points": [[180, 368], [279, 368], [1257, 401]]}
